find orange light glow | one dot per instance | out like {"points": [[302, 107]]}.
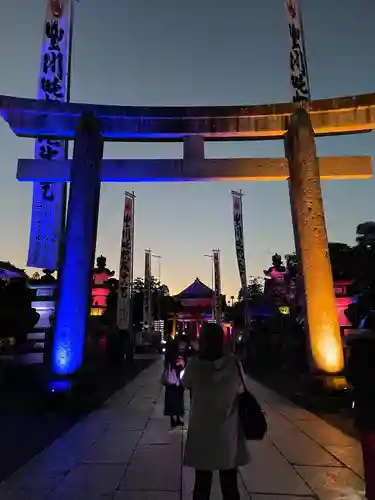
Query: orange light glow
{"points": [[306, 198], [96, 311], [174, 327], [328, 352]]}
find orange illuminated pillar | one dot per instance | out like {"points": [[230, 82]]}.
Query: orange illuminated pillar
{"points": [[310, 228]]}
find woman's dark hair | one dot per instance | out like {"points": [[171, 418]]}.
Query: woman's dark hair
{"points": [[171, 352], [211, 342]]}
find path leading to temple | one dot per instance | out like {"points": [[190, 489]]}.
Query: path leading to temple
{"points": [[125, 451]]}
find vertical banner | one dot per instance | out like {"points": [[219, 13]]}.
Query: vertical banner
{"points": [[126, 266], [49, 199], [299, 78], [147, 303], [240, 246], [217, 279]]}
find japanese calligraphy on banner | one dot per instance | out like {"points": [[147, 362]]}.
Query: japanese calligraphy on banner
{"points": [[147, 304], [297, 56], [238, 237], [217, 291], [48, 209], [126, 266]]}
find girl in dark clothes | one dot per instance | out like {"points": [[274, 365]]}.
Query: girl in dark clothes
{"points": [[174, 405]]}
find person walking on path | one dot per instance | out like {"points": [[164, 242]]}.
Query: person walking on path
{"points": [[361, 375], [174, 405], [215, 440]]}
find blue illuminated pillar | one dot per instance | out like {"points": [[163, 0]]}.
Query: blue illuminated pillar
{"points": [[78, 260]]}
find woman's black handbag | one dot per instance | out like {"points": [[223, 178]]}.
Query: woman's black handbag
{"points": [[252, 418]]}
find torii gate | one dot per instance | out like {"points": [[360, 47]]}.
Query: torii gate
{"points": [[90, 125]]}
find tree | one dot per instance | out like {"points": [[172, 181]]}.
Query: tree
{"points": [[254, 291], [291, 259], [159, 292], [366, 235], [342, 261], [17, 317]]}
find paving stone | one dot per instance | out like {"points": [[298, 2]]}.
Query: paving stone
{"points": [[163, 466], [351, 456], [126, 451], [113, 447], [30, 477], [325, 434], [295, 445], [79, 495], [142, 404], [271, 473], [159, 432], [24, 494], [119, 400], [280, 497], [87, 430], [128, 419], [54, 459], [293, 412], [332, 482], [158, 411], [147, 495], [99, 478]]}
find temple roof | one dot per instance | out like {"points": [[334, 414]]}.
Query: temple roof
{"points": [[197, 290]]}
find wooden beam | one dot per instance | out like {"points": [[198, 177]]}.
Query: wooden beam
{"points": [[249, 169], [38, 118]]}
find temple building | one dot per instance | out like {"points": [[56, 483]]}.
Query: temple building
{"points": [[195, 304]]}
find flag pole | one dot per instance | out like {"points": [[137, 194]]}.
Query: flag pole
{"points": [[68, 98]]}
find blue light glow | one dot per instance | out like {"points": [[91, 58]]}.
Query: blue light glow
{"points": [[60, 385], [76, 271], [65, 133]]}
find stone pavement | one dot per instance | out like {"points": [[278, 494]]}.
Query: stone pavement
{"points": [[125, 451]]}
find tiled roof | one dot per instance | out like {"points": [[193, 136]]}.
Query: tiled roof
{"points": [[196, 290]]}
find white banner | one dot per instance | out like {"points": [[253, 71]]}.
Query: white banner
{"points": [[48, 209], [126, 266], [147, 298], [217, 278], [297, 56]]}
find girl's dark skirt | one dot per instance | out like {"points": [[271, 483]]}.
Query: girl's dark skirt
{"points": [[174, 401]]}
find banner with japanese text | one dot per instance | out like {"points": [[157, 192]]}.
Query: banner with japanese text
{"points": [[147, 302], [238, 237], [240, 246], [217, 283], [126, 266], [49, 199], [297, 55]]}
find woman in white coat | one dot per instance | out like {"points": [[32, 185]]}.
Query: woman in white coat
{"points": [[215, 440]]}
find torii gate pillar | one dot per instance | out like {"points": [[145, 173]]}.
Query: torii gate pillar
{"points": [[79, 252], [309, 224]]}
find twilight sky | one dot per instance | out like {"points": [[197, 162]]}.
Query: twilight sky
{"points": [[201, 52]]}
